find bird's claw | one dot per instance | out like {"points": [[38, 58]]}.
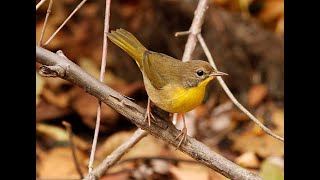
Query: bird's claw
{"points": [[147, 116], [183, 133]]}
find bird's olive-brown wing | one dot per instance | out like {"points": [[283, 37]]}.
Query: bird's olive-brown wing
{"points": [[160, 69]]}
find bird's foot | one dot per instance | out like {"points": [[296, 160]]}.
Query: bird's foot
{"points": [[183, 135], [148, 116]]}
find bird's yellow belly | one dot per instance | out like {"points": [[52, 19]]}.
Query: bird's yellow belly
{"points": [[185, 100], [178, 100], [175, 99]]}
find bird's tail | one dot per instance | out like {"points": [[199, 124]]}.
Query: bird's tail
{"points": [[130, 44]]}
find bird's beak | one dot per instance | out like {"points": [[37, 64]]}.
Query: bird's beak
{"points": [[218, 73]]}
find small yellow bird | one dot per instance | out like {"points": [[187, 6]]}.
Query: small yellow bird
{"points": [[172, 85]]}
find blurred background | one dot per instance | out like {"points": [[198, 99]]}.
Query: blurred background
{"points": [[245, 38]]}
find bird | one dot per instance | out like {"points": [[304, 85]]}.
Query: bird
{"points": [[172, 85]]}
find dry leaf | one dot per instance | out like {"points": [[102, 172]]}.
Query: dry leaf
{"points": [[248, 160], [60, 100], [59, 135], [256, 94], [261, 143], [86, 106], [46, 111], [58, 164], [188, 174]]}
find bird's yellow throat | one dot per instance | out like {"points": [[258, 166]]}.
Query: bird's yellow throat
{"points": [[184, 100]]}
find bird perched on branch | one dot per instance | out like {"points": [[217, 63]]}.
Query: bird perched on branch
{"points": [[172, 85]]}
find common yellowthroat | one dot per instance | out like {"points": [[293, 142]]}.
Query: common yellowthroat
{"points": [[172, 85]]}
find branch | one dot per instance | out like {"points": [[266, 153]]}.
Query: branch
{"points": [[102, 72], [194, 30], [230, 95], [45, 22], [116, 155], [60, 27], [160, 128], [39, 4]]}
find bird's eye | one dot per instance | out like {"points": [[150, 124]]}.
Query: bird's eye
{"points": [[200, 73]]}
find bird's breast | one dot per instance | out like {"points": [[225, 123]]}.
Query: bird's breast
{"points": [[176, 99]]}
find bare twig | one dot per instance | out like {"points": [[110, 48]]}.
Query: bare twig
{"points": [[102, 72], [45, 22], [117, 154], [160, 128], [73, 148], [182, 33], [39, 4], [228, 92], [194, 30], [65, 21]]}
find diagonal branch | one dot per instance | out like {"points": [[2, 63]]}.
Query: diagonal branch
{"points": [[160, 128], [65, 21], [117, 154], [40, 3], [229, 93]]}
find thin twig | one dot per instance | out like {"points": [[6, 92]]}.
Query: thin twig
{"points": [[73, 12], [229, 93], [102, 72], [45, 22], [73, 148], [160, 128], [39, 4], [117, 154], [182, 33], [194, 30]]}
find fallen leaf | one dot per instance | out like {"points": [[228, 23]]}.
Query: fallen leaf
{"points": [[256, 94], [261, 143], [213, 175], [58, 164], [248, 160], [46, 111], [59, 135], [188, 174], [86, 106]]}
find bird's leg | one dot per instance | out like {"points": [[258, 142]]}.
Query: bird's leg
{"points": [[183, 133], [148, 112]]}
